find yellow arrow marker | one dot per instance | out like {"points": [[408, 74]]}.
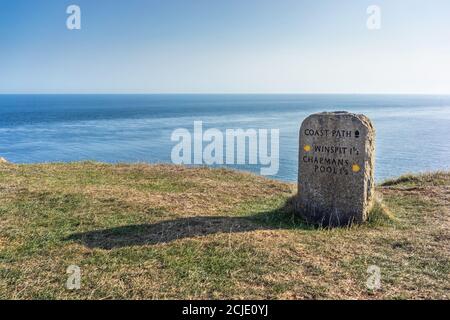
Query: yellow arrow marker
{"points": [[356, 168], [307, 147]]}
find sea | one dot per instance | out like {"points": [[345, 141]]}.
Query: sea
{"points": [[412, 131]]}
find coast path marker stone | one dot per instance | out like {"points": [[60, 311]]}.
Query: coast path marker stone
{"points": [[336, 168]]}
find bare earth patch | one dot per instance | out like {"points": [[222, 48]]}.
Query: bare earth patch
{"points": [[165, 232]]}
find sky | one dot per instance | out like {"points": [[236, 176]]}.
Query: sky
{"points": [[225, 46]]}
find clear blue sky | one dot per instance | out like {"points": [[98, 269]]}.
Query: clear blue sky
{"points": [[225, 46]]}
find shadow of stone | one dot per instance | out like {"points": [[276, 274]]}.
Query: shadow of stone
{"points": [[189, 227]]}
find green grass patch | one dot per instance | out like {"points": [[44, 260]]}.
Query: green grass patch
{"points": [[170, 232]]}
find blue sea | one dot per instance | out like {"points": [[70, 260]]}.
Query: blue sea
{"points": [[412, 131]]}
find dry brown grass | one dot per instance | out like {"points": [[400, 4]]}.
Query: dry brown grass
{"points": [[165, 232]]}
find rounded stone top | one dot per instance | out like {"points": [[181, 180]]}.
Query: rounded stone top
{"points": [[334, 112], [364, 120]]}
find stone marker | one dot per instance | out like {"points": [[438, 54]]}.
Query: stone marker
{"points": [[336, 168], [3, 160]]}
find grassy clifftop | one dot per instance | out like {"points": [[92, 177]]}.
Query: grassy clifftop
{"points": [[162, 232]]}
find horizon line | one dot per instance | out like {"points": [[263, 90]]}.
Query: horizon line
{"points": [[225, 93]]}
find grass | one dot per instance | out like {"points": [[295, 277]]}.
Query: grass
{"points": [[166, 232]]}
